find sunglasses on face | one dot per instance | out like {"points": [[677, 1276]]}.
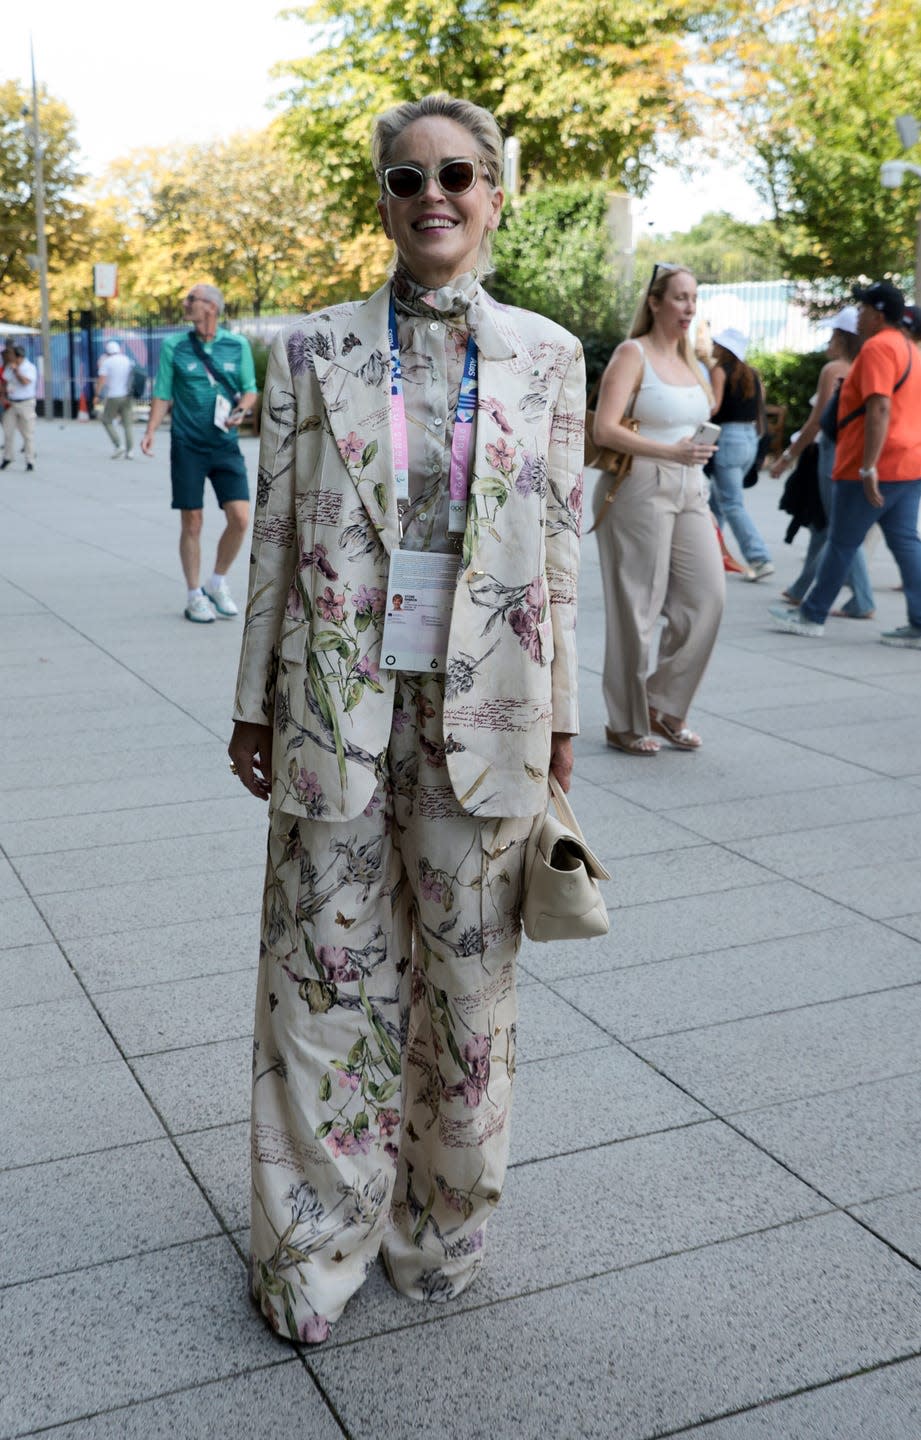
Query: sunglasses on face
{"points": [[454, 177]]}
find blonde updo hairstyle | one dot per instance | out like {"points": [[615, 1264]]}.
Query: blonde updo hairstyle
{"points": [[478, 122], [644, 319]]}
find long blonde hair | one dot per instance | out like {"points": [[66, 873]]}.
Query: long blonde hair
{"points": [[644, 319]]}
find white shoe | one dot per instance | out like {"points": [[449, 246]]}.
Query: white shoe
{"points": [[116, 454], [199, 610], [223, 601], [129, 454], [759, 571], [794, 622]]}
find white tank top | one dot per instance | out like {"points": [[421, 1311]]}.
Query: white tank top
{"points": [[667, 412]]}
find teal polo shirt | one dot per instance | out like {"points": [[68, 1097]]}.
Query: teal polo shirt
{"points": [[183, 379]]}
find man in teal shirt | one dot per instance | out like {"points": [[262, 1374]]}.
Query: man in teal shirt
{"points": [[207, 374]]}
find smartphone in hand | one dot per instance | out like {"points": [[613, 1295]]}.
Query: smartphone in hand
{"points": [[706, 434]]}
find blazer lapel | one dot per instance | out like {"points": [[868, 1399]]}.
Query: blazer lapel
{"points": [[355, 385]]}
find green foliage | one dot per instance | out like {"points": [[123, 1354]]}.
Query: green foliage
{"points": [[718, 250], [819, 87], [583, 85], [260, 359], [551, 255], [790, 379], [63, 215]]}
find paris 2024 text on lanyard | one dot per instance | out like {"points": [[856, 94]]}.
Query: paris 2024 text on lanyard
{"points": [[421, 584]]}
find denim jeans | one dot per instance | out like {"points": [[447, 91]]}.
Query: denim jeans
{"points": [[737, 448], [851, 518], [858, 577]]}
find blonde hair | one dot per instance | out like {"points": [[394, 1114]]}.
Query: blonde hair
{"points": [[644, 319], [478, 122]]}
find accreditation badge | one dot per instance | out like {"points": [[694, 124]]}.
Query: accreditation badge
{"points": [[417, 617]]}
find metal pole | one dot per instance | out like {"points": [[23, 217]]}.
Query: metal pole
{"points": [[917, 295], [42, 247]]}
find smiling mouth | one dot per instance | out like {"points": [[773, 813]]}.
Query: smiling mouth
{"points": [[434, 222]]}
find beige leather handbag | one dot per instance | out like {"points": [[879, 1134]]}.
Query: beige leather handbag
{"points": [[562, 898]]}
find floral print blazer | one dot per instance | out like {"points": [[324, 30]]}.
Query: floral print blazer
{"points": [[325, 524]]}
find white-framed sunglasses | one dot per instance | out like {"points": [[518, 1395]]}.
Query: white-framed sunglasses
{"points": [[454, 177]]}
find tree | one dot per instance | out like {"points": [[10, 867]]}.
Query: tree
{"points": [[584, 86], [817, 89], [717, 249], [64, 215]]}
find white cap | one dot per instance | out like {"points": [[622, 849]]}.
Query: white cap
{"points": [[845, 319], [734, 341], [112, 347]]}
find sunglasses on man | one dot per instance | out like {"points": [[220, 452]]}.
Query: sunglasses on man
{"points": [[454, 177]]}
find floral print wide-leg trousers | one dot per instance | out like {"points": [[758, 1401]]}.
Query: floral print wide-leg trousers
{"points": [[384, 1044]]}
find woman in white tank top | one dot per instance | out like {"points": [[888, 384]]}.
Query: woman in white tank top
{"points": [[660, 556]]}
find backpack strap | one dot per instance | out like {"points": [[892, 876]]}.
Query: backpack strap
{"points": [[222, 380], [862, 409]]}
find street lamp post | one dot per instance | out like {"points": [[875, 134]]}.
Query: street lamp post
{"points": [[42, 248], [891, 174]]}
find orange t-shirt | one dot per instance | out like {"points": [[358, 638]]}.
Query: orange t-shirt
{"points": [[879, 367]]}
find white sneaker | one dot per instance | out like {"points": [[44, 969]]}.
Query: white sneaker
{"points": [[199, 610], [794, 622], [129, 454], [759, 571], [223, 601], [117, 454]]}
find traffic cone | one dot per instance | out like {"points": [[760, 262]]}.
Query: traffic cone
{"points": [[83, 412]]}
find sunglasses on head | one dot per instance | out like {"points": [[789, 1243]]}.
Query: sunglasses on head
{"points": [[455, 177], [668, 265]]}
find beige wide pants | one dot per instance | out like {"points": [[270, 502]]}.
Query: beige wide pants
{"points": [[20, 415], [385, 1037], [659, 558]]}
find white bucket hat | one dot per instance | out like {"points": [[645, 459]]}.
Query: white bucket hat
{"points": [[112, 347], [845, 319], [734, 341]]}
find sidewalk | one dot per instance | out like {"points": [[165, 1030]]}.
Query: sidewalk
{"points": [[712, 1224]]}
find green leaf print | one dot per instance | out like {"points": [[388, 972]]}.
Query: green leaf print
{"points": [[326, 1088]]}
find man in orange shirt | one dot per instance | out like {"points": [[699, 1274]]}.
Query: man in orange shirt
{"points": [[877, 466]]}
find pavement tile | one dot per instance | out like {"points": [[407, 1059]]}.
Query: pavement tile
{"points": [[118, 827], [279, 1400], [75, 914], [167, 726], [897, 1220], [870, 799], [172, 1016], [203, 1086], [145, 787], [649, 1349], [854, 1144], [748, 1064], [127, 1331], [883, 1405], [39, 1039], [691, 925], [11, 887], [126, 1202], [907, 924], [35, 975], [53, 1115], [140, 861], [158, 954], [614, 827], [126, 762], [550, 1115], [708, 1185], [673, 874], [219, 1160], [773, 976], [889, 841], [880, 891], [21, 924], [548, 1025]]}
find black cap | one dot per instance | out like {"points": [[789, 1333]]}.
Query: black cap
{"points": [[912, 320], [19, 350], [884, 297]]}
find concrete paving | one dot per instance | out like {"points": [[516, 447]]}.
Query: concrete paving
{"points": [[712, 1223]]}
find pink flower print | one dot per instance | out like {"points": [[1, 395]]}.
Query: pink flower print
{"points": [[391, 1151], [307, 785], [336, 1141], [368, 670], [294, 605], [476, 1052], [388, 1121], [369, 600], [348, 1080], [331, 606], [338, 967], [373, 804], [351, 448], [432, 887], [363, 1142], [318, 556], [496, 411], [535, 597], [399, 721], [315, 1330], [501, 456], [472, 1091], [524, 625]]}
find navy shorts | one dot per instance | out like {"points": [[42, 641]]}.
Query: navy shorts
{"points": [[189, 469]]}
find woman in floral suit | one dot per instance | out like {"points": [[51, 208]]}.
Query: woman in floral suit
{"points": [[400, 801]]}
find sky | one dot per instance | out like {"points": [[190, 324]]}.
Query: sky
{"points": [[192, 71]]}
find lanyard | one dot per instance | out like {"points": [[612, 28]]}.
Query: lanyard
{"points": [[460, 441]]}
